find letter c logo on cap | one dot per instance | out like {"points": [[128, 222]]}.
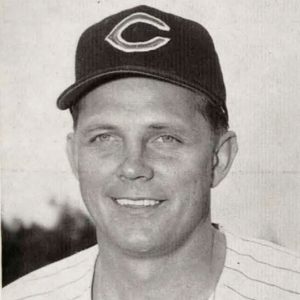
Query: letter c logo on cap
{"points": [[116, 40]]}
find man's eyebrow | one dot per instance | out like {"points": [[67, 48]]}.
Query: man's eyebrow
{"points": [[163, 126], [160, 126], [176, 127], [93, 127]]}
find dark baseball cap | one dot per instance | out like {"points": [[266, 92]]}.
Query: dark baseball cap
{"points": [[144, 41]]}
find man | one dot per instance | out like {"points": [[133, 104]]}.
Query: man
{"points": [[150, 140]]}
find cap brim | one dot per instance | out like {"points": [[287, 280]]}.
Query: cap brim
{"points": [[80, 88]]}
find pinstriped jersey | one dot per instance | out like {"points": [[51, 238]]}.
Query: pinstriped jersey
{"points": [[256, 270], [253, 269]]}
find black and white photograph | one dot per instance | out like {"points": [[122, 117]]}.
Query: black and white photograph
{"points": [[150, 150]]}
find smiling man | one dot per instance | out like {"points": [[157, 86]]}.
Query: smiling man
{"points": [[150, 140], [144, 155]]}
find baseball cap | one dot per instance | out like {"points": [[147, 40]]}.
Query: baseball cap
{"points": [[144, 41]]}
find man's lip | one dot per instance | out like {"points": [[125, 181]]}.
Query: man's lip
{"points": [[138, 198]]}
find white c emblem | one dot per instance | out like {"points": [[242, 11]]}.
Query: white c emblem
{"points": [[116, 40]]}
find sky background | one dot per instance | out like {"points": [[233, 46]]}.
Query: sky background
{"points": [[258, 46]]}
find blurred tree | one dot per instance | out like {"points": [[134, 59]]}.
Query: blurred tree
{"points": [[27, 249]]}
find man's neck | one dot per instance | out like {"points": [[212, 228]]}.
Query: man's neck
{"points": [[190, 272]]}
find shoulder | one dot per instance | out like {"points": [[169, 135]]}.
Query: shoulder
{"points": [[69, 278], [259, 269]]}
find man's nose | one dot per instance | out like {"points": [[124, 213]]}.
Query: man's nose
{"points": [[134, 166]]}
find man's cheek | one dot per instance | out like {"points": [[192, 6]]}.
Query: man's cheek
{"points": [[88, 163]]}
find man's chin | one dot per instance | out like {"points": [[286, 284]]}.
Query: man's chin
{"points": [[139, 245]]}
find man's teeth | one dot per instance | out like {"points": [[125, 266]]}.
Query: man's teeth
{"points": [[144, 202]]}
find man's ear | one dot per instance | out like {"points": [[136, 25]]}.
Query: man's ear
{"points": [[72, 153], [224, 155]]}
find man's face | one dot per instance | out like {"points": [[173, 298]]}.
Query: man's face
{"points": [[143, 157]]}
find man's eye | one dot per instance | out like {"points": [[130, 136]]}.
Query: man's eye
{"points": [[167, 139], [102, 138]]}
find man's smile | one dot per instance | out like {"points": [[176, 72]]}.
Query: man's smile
{"points": [[140, 202]]}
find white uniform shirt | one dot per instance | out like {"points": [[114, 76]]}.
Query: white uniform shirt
{"points": [[254, 269]]}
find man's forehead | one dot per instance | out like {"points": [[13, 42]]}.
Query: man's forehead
{"points": [[134, 93], [138, 101]]}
